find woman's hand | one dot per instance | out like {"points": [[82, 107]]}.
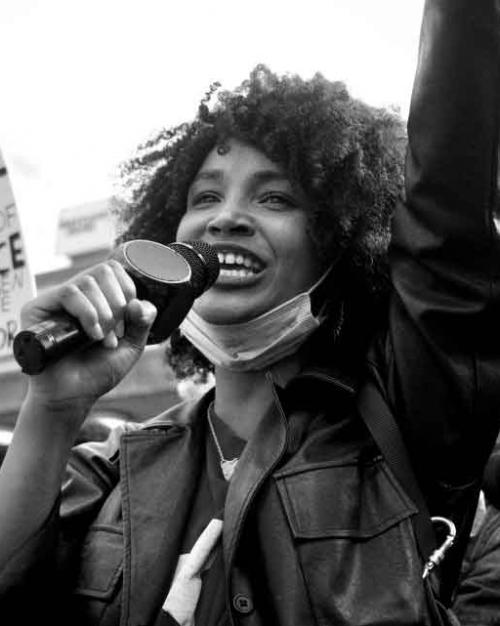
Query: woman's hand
{"points": [[103, 300]]}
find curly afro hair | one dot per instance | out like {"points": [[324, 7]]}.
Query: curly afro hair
{"points": [[345, 155]]}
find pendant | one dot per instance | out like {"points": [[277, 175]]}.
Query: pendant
{"points": [[228, 466]]}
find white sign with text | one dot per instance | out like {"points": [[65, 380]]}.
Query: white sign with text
{"points": [[16, 282]]}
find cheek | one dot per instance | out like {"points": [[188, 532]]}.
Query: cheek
{"points": [[304, 263], [297, 248], [189, 228]]}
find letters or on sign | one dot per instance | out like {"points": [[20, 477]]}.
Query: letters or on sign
{"points": [[16, 282]]}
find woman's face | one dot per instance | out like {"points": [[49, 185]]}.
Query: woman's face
{"points": [[241, 203]]}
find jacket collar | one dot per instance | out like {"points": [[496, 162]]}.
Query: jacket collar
{"points": [[329, 376]]}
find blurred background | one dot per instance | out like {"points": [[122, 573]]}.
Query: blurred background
{"points": [[83, 83]]}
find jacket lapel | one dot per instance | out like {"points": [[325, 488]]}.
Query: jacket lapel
{"points": [[159, 472], [260, 456], [264, 451]]}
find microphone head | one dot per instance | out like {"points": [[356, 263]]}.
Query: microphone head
{"points": [[154, 266], [170, 276], [203, 261]]}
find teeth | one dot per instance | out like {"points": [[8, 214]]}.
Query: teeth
{"points": [[236, 273], [244, 262]]}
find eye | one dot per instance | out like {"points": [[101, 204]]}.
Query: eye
{"points": [[204, 198], [277, 200]]}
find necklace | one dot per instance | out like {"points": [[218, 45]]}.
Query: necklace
{"points": [[227, 465]]}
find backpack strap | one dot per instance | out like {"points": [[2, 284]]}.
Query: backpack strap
{"points": [[385, 431], [382, 426]]}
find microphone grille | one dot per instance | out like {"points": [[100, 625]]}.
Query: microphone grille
{"points": [[203, 260]]}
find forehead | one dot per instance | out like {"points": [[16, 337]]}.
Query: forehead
{"points": [[238, 159]]}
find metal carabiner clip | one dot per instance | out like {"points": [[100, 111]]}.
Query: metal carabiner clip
{"points": [[439, 553]]}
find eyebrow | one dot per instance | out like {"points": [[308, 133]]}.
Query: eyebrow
{"points": [[216, 175], [262, 176], [266, 176]]}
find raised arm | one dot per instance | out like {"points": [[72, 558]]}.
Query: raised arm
{"points": [[443, 350], [453, 143], [445, 255]]}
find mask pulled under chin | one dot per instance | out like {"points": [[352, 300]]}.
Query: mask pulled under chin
{"points": [[258, 343]]}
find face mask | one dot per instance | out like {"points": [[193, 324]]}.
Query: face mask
{"points": [[260, 342]]}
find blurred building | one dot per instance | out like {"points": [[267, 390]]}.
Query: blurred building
{"points": [[85, 235]]}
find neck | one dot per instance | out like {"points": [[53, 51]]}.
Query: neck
{"points": [[243, 398]]}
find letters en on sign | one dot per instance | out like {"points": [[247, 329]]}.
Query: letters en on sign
{"points": [[16, 281]]}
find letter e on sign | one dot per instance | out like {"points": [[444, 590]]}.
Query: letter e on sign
{"points": [[17, 285]]}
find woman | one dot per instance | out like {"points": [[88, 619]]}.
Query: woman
{"points": [[268, 501]]}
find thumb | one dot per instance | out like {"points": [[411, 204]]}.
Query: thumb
{"points": [[139, 317]]}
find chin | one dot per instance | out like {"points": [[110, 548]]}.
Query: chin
{"points": [[225, 313]]}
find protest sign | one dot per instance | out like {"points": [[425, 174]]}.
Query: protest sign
{"points": [[16, 282]]}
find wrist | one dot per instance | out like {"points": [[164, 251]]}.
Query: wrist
{"points": [[64, 415], [55, 399]]}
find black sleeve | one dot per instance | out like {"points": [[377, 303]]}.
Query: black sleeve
{"points": [[445, 252]]}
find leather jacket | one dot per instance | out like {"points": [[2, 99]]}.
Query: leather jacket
{"points": [[316, 529]]}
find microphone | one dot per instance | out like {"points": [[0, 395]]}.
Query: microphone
{"points": [[169, 276]]}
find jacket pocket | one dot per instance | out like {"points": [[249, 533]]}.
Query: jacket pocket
{"points": [[356, 500], [351, 527], [101, 563]]}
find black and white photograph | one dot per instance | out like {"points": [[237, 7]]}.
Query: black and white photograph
{"points": [[250, 313]]}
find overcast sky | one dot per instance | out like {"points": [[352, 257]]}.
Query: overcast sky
{"points": [[83, 82]]}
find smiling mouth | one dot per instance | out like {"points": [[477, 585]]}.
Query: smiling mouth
{"points": [[238, 265]]}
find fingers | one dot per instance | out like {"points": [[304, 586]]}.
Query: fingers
{"points": [[140, 315], [103, 300], [98, 299]]}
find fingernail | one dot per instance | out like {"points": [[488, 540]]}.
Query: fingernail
{"points": [[111, 341], [97, 332], [148, 310]]}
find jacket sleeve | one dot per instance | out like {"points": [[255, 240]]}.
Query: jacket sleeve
{"points": [[42, 566], [445, 251]]}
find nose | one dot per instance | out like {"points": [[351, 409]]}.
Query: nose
{"points": [[230, 219]]}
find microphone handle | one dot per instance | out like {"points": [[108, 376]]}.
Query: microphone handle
{"points": [[46, 342]]}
